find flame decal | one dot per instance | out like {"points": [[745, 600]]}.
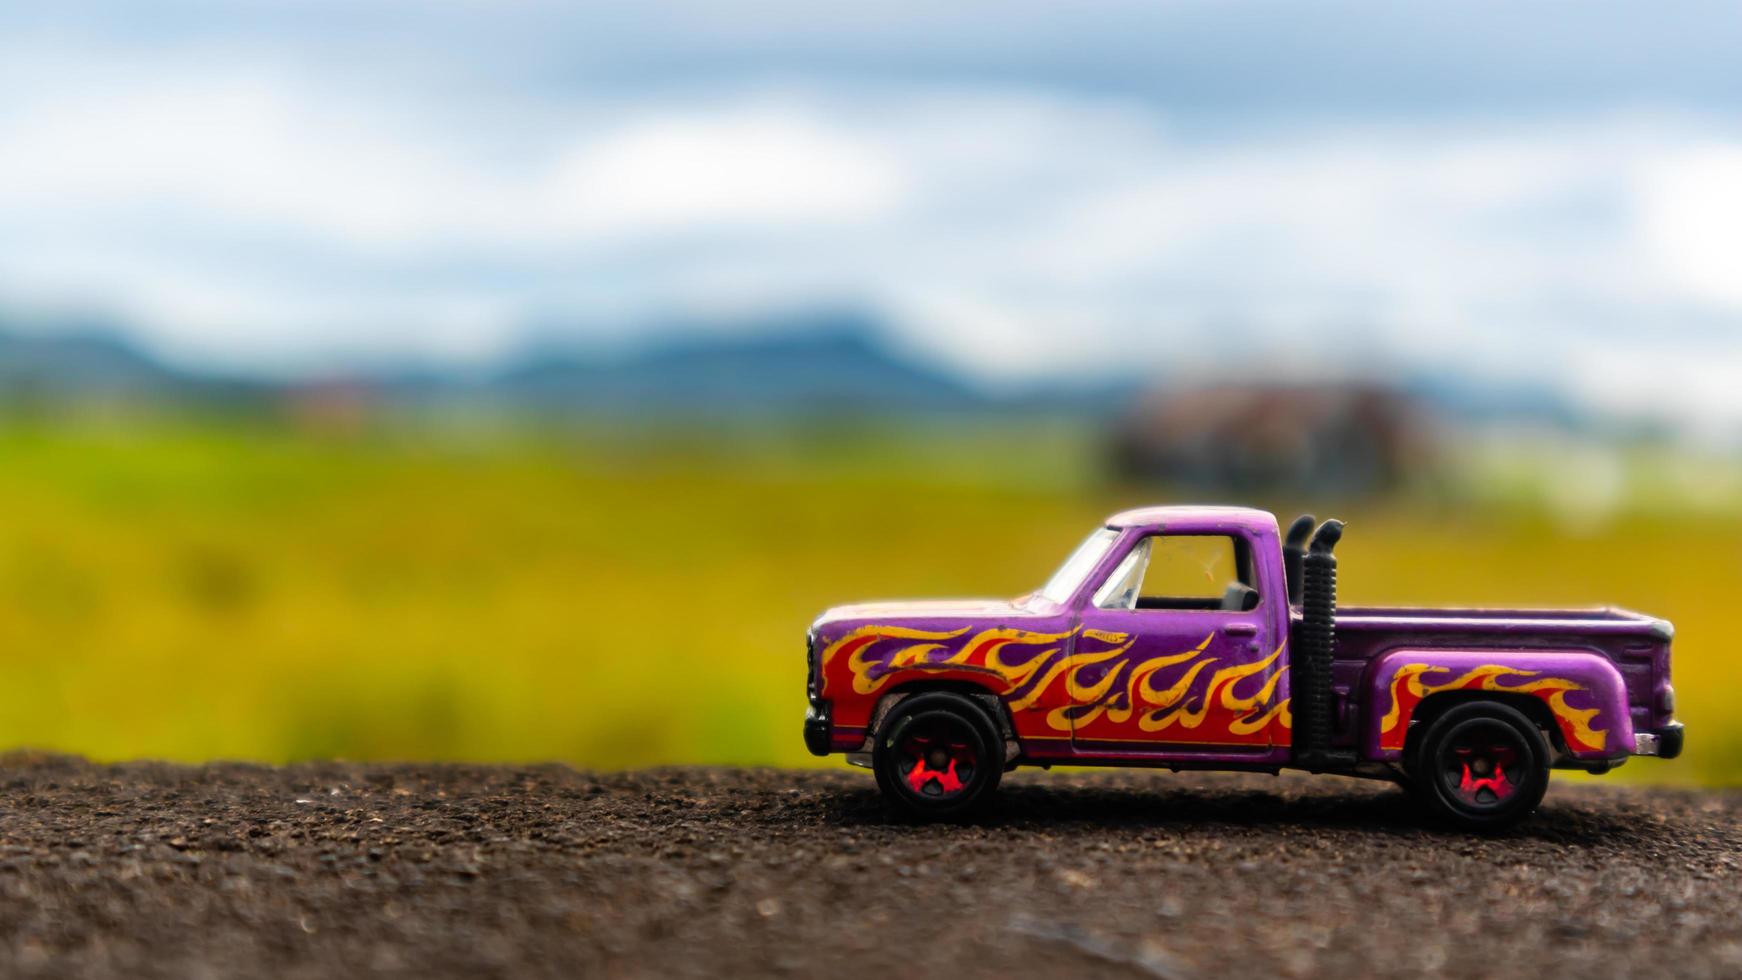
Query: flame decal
{"points": [[1220, 693], [857, 643], [1081, 683], [1013, 656], [1408, 690]]}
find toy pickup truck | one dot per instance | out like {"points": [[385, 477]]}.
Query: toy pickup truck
{"points": [[1196, 638]]}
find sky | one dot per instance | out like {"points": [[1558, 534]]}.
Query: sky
{"points": [[1541, 192]]}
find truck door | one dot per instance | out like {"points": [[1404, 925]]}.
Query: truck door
{"points": [[1204, 670]]}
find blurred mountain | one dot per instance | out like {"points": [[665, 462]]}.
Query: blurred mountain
{"points": [[83, 362], [818, 364], [833, 364], [815, 364], [90, 363]]}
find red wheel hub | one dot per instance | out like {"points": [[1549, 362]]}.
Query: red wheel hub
{"points": [[936, 762], [1484, 779]]}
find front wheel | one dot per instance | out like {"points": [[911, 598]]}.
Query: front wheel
{"points": [[1481, 766], [937, 756]]}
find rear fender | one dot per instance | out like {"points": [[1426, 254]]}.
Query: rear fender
{"points": [[1582, 691]]}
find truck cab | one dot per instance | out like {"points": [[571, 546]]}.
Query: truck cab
{"points": [[1198, 637]]}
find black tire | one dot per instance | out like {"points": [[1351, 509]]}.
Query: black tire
{"points": [[1481, 766], [937, 756]]}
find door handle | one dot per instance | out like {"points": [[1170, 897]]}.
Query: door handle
{"points": [[1240, 629]]}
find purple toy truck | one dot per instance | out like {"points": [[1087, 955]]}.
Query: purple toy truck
{"points": [[1195, 637]]}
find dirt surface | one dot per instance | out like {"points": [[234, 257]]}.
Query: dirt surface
{"points": [[325, 870]]}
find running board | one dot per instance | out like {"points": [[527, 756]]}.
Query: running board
{"points": [[1327, 760]]}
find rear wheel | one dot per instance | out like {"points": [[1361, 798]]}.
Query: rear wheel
{"points": [[937, 755], [1481, 766]]}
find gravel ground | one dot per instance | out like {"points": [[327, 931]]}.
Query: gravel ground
{"points": [[336, 869]]}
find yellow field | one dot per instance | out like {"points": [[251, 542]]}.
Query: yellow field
{"points": [[197, 591]]}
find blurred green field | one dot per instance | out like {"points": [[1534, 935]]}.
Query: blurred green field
{"points": [[195, 591]]}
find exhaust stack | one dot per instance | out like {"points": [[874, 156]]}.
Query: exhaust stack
{"points": [[1315, 642]]}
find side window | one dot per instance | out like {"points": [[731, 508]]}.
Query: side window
{"points": [[1183, 571]]}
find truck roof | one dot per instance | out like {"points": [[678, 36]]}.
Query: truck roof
{"points": [[1195, 517]]}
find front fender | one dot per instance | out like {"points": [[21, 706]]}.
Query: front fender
{"points": [[1581, 690], [863, 662]]}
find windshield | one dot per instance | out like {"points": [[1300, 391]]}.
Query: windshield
{"points": [[1069, 577], [1120, 591]]}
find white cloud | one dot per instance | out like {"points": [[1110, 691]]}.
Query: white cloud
{"points": [[258, 217], [239, 149], [253, 152], [761, 165], [1692, 221]]}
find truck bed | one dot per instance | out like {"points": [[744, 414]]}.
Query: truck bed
{"points": [[1624, 636], [1637, 644]]}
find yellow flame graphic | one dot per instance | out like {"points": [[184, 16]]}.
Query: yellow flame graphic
{"points": [[1070, 665], [1552, 690], [1221, 688], [984, 652], [886, 633], [1124, 689]]}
